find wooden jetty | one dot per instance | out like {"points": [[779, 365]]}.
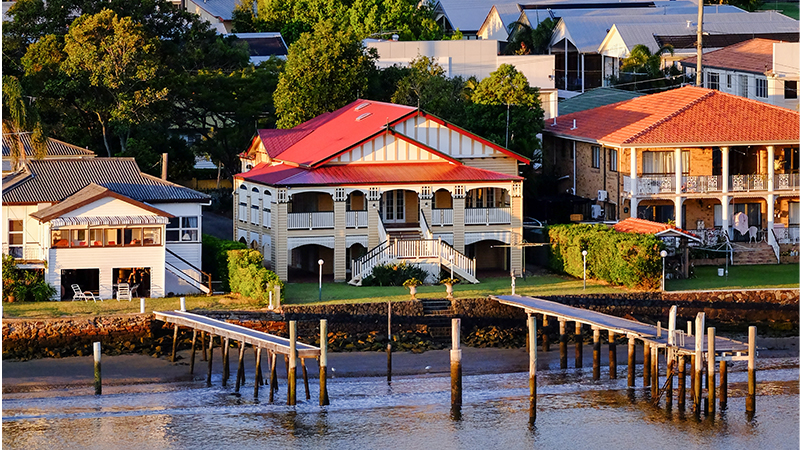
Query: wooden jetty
{"points": [[676, 346], [259, 341]]}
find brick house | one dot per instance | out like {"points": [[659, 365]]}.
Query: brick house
{"points": [[373, 183], [700, 156]]}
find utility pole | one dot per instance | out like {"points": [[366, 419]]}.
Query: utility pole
{"points": [[699, 80]]}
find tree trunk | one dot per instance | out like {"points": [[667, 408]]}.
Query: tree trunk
{"points": [[105, 134]]}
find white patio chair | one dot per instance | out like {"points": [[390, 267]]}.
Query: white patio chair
{"points": [[124, 292], [83, 295], [753, 232]]}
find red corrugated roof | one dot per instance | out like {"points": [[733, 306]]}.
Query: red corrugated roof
{"points": [[634, 225], [684, 116], [754, 56], [416, 172]]}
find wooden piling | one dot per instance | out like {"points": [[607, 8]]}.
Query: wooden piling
{"points": [[226, 363], [631, 361], [98, 374], [681, 382], [389, 344], [654, 371], [562, 343], [671, 369], [646, 365], [194, 348], [292, 396], [210, 356], [698, 360], [712, 377], [455, 365], [545, 338], [305, 378], [258, 371], [240, 367], [273, 375], [612, 356], [595, 353], [203, 342], [723, 385], [323, 363], [578, 345], [174, 343], [750, 403], [692, 381], [532, 366]]}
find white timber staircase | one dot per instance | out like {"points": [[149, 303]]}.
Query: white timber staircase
{"points": [[413, 246], [187, 272]]}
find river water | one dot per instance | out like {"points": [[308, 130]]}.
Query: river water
{"points": [[411, 413]]}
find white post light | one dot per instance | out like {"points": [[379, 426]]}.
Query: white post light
{"points": [[513, 284], [663, 269], [141, 305], [320, 262], [584, 253], [451, 266], [183, 304]]}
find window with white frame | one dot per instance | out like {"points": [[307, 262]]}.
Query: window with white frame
{"points": [[16, 238], [183, 229], [761, 87], [743, 87], [254, 215], [595, 157], [612, 159], [243, 194], [729, 82], [790, 89], [794, 213], [713, 80], [661, 163]]}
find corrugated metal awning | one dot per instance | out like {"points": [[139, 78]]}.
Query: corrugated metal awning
{"points": [[108, 220]]}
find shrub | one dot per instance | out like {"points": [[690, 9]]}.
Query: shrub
{"points": [[25, 285], [394, 275], [628, 259], [249, 278], [215, 258]]}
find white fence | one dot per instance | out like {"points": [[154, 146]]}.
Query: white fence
{"points": [[487, 216], [357, 219], [310, 220], [442, 217]]}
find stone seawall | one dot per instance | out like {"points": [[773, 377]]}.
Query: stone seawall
{"points": [[31, 338]]}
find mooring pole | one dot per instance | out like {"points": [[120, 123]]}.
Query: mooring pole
{"points": [[681, 382], [596, 354], [532, 366], [305, 378], [194, 348], [562, 342], [712, 377], [612, 356], [545, 339], [98, 376], [210, 356], [578, 345], [240, 367], [671, 369], [750, 403], [226, 363], [258, 369], [323, 363], [273, 375], [631, 361], [389, 344], [647, 365], [698, 360], [203, 344], [654, 371], [292, 363], [174, 343], [723, 384], [455, 366]]}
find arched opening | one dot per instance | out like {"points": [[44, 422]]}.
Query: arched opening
{"points": [[303, 263], [310, 210], [254, 245], [492, 257], [243, 240], [243, 197], [255, 209], [356, 210], [442, 204], [354, 252], [487, 206], [400, 208]]}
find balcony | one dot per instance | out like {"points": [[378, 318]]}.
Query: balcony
{"points": [[311, 220], [442, 217], [357, 219], [700, 184], [487, 216], [29, 252]]}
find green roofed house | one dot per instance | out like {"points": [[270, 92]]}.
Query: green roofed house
{"points": [[594, 99]]}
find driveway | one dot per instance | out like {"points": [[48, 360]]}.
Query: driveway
{"points": [[218, 226]]}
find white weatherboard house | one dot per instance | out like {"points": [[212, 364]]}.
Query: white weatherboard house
{"points": [[99, 222]]}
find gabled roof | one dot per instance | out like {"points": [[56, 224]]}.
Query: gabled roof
{"points": [[54, 180], [754, 56], [55, 148], [595, 98], [85, 196], [281, 175], [221, 9], [685, 116], [641, 226]]}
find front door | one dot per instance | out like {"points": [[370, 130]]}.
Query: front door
{"points": [[393, 207]]}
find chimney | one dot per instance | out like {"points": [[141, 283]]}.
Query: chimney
{"points": [[164, 157]]}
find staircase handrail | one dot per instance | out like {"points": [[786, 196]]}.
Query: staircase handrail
{"points": [[192, 266], [423, 224], [382, 234], [368, 260], [774, 244]]}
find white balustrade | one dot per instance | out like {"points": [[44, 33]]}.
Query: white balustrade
{"points": [[487, 216], [310, 220], [356, 219], [442, 217]]}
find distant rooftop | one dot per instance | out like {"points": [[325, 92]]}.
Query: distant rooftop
{"points": [[594, 98], [753, 55]]}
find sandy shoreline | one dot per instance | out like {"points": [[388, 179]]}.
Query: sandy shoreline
{"points": [[76, 373]]}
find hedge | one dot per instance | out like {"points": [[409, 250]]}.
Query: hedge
{"points": [[629, 259], [248, 277], [215, 258]]}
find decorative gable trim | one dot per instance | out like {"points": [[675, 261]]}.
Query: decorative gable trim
{"points": [[483, 141]]}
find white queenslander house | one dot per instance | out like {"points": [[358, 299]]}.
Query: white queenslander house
{"points": [[377, 183], [98, 222]]}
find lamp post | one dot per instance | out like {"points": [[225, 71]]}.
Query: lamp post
{"points": [[451, 266], [663, 269], [584, 253], [320, 262]]}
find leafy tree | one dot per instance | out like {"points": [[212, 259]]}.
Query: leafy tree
{"points": [[747, 5], [642, 69], [325, 70], [525, 40], [425, 85]]}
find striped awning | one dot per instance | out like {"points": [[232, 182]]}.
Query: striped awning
{"points": [[108, 220]]}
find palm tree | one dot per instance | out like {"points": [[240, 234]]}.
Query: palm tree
{"points": [[18, 117], [642, 62]]}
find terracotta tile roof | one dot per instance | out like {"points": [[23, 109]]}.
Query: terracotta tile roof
{"points": [[685, 116], [754, 56], [282, 175], [641, 226]]}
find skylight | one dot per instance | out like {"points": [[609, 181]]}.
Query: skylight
{"points": [[362, 117], [362, 106]]}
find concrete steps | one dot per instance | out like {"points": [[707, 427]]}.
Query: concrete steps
{"points": [[753, 253]]}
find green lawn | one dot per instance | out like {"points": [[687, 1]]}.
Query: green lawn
{"points": [[740, 277], [787, 8]]}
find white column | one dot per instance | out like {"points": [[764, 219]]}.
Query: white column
{"points": [[770, 217], [583, 73], [678, 188], [771, 168], [634, 184], [566, 63], [725, 199], [771, 195], [726, 226]]}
